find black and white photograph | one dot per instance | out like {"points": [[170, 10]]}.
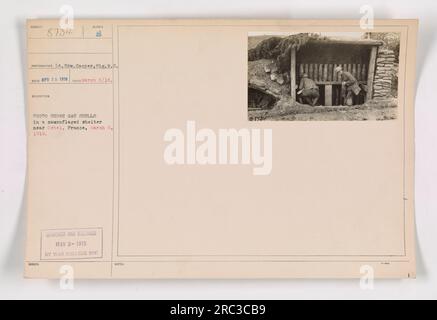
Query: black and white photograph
{"points": [[323, 76]]}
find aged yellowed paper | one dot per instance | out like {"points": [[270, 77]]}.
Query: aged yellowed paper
{"points": [[221, 149]]}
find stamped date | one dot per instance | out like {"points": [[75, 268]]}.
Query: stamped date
{"points": [[71, 244]]}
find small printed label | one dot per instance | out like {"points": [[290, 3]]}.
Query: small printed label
{"points": [[71, 244]]}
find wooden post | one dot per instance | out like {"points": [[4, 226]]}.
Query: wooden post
{"points": [[337, 75], [293, 74], [328, 95], [363, 72], [371, 72], [330, 72]]}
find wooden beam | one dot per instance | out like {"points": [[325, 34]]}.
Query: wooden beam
{"points": [[328, 95], [293, 74], [371, 73], [366, 42], [363, 72], [325, 72], [335, 82]]}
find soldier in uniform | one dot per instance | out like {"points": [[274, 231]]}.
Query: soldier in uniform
{"points": [[349, 85], [308, 91]]}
